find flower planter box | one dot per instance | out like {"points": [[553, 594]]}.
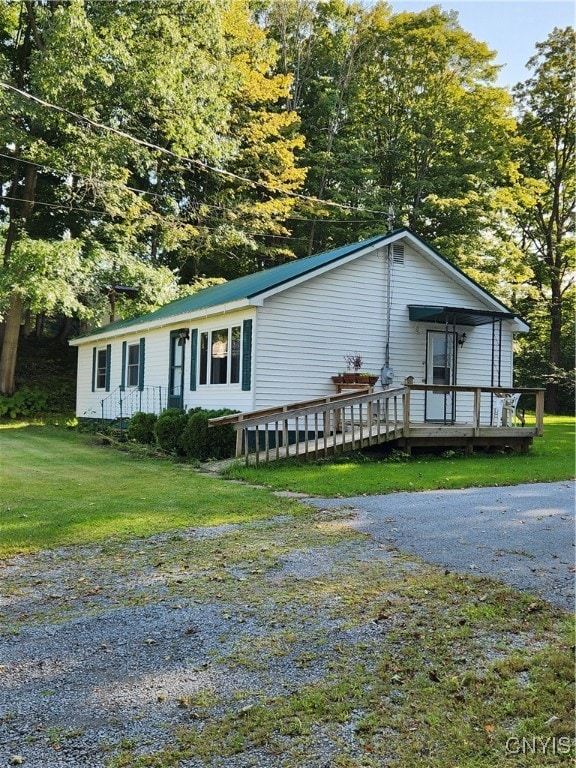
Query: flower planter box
{"points": [[355, 378]]}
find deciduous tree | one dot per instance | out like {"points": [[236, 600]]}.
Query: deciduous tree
{"points": [[543, 203]]}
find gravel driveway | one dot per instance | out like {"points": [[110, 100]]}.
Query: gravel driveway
{"points": [[125, 646], [522, 535]]}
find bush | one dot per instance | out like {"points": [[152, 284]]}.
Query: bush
{"points": [[199, 441], [24, 403], [52, 397], [168, 430], [141, 427]]}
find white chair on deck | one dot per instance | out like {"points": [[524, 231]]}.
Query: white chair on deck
{"points": [[510, 416], [497, 411]]}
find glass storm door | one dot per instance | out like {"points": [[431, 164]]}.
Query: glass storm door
{"points": [[440, 369], [176, 371]]}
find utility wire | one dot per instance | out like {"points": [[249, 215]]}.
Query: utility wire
{"points": [[94, 212], [163, 196], [193, 161]]}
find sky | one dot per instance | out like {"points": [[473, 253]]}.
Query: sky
{"points": [[510, 27]]}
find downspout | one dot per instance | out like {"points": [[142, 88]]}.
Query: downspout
{"points": [[500, 352], [386, 372]]}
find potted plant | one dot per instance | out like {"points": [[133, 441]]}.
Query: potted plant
{"points": [[339, 378], [368, 378], [354, 363]]}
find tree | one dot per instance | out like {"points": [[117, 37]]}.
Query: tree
{"points": [[543, 201], [396, 109], [435, 129], [163, 72], [239, 227], [321, 46]]}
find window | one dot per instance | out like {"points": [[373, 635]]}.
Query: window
{"points": [[101, 368], [220, 356], [133, 365]]}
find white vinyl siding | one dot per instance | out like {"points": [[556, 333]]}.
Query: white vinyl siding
{"points": [[157, 358], [304, 332], [301, 333]]}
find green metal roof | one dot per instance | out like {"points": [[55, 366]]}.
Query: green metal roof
{"points": [[246, 287], [250, 286]]}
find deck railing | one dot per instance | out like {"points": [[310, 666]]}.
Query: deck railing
{"points": [[352, 421], [319, 427], [480, 413]]}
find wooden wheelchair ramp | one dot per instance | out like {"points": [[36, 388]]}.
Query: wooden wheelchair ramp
{"points": [[354, 420], [320, 427]]}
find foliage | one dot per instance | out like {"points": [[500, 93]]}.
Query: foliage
{"points": [[29, 402], [201, 442], [354, 361], [23, 404], [542, 206], [190, 78], [397, 109], [141, 427], [168, 430]]}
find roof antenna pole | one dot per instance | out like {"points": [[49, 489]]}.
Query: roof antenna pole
{"points": [[390, 217]]}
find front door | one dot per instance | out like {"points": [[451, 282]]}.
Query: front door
{"points": [[440, 369], [176, 371]]}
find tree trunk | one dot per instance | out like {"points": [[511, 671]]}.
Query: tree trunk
{"points": [[552, 394], [10, 346], [65, 331]]}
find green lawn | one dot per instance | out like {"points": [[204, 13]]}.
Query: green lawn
{"points": [[440, 669], [60, 487], [551, 458]]}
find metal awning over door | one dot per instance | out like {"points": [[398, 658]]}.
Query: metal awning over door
{"points": [[450, 317], [426, 313]]}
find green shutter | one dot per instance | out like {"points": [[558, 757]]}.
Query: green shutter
{"points": [[246, 355], [94, 353], [193, 358], [141, 363], [123, 378], [108, 365]]}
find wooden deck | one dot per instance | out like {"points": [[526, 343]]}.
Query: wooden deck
{"points": [[355, 420]]}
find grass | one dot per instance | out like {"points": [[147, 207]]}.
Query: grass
{"points": [[401, 663], [551, 458], [59, 487]]}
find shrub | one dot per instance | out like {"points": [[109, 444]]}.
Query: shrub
{"points": [[201, 442], [52, 397], [24, 403], [141, 427], [168, 430]]}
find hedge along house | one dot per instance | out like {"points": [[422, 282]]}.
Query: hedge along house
{"points": [[278, 336]]}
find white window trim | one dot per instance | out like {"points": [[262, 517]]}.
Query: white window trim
{"points": [[209, 332], [104, 369], [132, 365]]}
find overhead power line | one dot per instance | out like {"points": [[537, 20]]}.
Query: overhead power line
{"points": [[164, 196], [199, 163]]}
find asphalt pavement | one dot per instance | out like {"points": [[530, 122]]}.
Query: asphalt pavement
{"points": [[522, 535]]}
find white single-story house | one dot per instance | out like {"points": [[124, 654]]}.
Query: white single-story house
{"points": [[278, 336]]}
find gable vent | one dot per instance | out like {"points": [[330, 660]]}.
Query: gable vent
{"points": [[398, 254]]}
